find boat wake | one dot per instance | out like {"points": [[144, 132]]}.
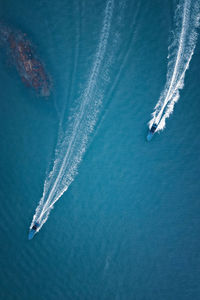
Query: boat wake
{"points": [[180, 53], [73, 141]]}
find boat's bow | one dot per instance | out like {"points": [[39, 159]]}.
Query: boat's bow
{"points": [[151, 132], [33, 231]]}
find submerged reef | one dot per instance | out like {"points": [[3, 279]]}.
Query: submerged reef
{"points": [[22, 55]]}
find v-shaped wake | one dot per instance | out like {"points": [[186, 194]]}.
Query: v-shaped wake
{"points": [[180, 53]]}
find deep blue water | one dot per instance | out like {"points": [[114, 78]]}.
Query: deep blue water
{"points": [[128, 226]]}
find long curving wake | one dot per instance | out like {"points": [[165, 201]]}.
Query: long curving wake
{"points": [[72, 143], [180, 53]]}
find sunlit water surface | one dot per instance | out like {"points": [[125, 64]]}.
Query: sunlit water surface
{"points": [[128, 226]]}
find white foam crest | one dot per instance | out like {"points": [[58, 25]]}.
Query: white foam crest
{"points": [[180, 53], [70, 150]]}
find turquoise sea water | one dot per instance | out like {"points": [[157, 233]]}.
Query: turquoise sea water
{"points": [[128, 226]]}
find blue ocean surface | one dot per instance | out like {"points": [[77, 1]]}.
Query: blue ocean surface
{"points": [[125, 220]]}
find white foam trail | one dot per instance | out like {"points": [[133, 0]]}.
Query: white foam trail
{"points": [[70, 149], [180, 54]]}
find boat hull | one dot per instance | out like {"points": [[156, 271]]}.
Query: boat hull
{"points": [[33, 231], [149, 136], [31, 234], [151, 132]]}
